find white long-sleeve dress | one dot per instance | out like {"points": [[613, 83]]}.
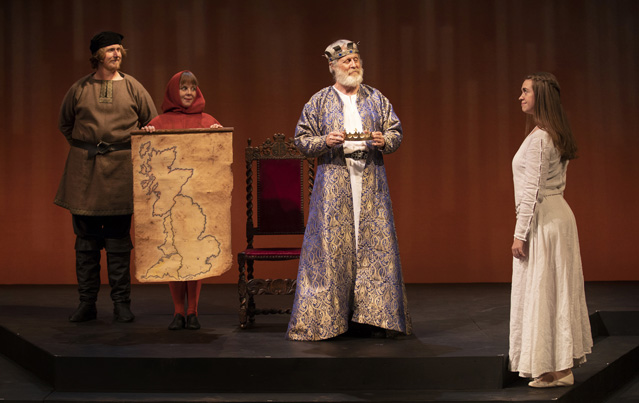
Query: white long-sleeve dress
{"points": [[549, 324]]}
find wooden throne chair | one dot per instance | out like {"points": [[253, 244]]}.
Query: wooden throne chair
{"points": [[282, 177]]}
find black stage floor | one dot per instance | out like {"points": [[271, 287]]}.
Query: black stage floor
{"points": [[458, 352]]}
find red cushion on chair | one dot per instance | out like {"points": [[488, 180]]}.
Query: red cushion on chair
{"points": [[280, 196], [275, 253]]}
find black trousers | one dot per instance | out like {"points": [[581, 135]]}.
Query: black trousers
{"points": [[113, 234], [92, 231]]}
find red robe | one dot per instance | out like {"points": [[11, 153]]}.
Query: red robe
{"points": [[176, 116]]}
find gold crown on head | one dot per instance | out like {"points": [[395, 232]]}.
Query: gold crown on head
{"points": [[337, 52]]}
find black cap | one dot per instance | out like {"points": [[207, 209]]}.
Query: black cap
{"points": [[103, 39]]}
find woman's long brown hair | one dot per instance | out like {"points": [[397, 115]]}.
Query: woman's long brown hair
{"points": [[549, 115]]}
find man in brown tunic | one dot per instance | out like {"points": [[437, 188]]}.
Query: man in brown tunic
{"points": [[97, 116]]}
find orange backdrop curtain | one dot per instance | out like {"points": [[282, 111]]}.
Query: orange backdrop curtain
{"points": [[452, 70]]}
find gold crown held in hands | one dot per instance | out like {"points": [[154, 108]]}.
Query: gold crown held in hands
{"points": [[357, 136]]}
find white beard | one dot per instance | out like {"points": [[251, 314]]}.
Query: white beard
{"points": [[349, 81]]}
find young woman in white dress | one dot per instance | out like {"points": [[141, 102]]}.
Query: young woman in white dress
{"points": [[549, 323]]}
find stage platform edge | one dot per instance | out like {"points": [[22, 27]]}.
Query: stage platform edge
{"points": [[117, 366]]}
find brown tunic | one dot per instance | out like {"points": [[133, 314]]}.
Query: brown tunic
{"points": [[93, 111]]}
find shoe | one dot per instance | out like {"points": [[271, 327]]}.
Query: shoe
{"points": [[122, 312], [567, 380], [178, 322], [86, 311], [360, 330], [378, 333], [192, 323]]}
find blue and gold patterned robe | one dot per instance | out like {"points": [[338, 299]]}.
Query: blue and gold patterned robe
{"points": [[334, 283]]}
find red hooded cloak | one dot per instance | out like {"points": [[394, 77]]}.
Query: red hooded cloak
{"points": [[176, 116]]}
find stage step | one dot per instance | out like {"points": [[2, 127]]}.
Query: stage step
{"points": [[601, 376], [124, 371], [101, 361]]}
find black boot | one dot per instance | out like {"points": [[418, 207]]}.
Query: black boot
{"points": [[118, 265], [86, 311], [87, 269], [122, 312]]}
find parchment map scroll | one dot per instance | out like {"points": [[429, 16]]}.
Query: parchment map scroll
{"points": [[182, 185]]}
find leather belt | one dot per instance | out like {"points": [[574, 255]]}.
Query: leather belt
{"points": [[357, 155], [100, 148]]}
